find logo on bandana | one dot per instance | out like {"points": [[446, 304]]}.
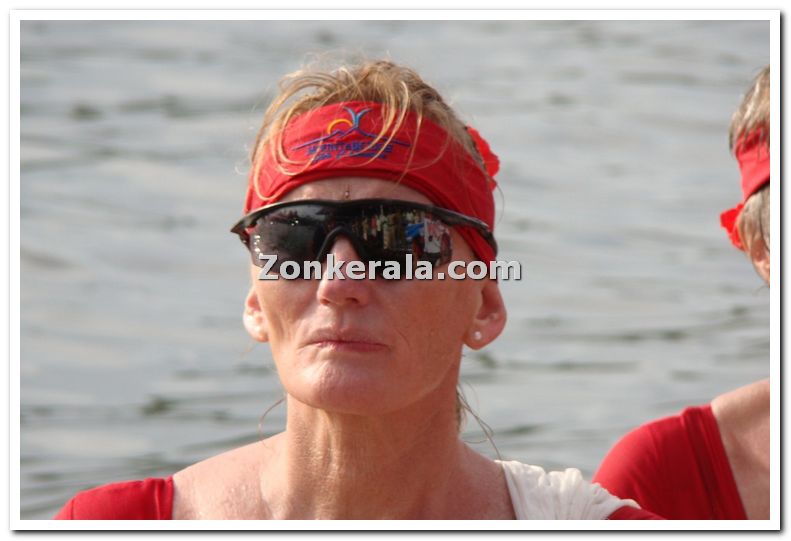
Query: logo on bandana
{"points": [[345, 137]]}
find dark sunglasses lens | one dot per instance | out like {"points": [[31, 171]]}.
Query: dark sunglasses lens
{"points": [[292, 234], [389, 233]]}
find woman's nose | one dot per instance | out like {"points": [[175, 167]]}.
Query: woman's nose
{"points": [[336, 285]]}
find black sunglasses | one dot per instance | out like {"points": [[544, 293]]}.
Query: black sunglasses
{"points": [[379, 230]]}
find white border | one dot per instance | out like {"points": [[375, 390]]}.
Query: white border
{"points": [[775, 254], [399, 14], [17, 15], [395, 525], [14, 262]]}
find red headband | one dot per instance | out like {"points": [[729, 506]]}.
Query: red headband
{"points": [[752, 153], [341, 140]]}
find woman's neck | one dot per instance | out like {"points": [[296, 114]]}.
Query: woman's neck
{"points": [[408, 465]]}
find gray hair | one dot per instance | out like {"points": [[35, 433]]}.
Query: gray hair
{"points": [[753, 221]]}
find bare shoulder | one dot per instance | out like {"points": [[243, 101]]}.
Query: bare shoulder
{"points": [[742, 405], [743, 419], [224, 486]]}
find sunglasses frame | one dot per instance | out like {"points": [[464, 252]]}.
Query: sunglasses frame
{"points": [[448, 217]]}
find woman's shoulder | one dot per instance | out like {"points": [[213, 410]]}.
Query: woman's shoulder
{"points": [[673, 441], [538, 494], [675, 466], [742, 406], [189, 493], [147, 499], [658, 442], [224, 486]]}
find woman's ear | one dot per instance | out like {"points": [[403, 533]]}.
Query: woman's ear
{"points": [[489, 320], [760, 258], [253, 318]]}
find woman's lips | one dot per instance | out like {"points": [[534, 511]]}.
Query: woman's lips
{"points": [[349, 346], [347, 341]]}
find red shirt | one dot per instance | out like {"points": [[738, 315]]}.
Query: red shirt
{"points": [[675, 467], [152, 499]]}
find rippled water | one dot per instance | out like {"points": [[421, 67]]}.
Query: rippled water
{"points": [[612, 137]]}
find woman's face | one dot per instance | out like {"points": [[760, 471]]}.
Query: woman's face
{"points": [[370, 346]]}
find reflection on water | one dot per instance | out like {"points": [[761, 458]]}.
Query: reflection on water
{"points": [[612, 137]]}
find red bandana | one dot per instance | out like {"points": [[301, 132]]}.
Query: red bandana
{"points": [[340, 140], [752, 153]]}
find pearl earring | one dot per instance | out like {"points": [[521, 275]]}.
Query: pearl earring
{"points": [[477, 336]]}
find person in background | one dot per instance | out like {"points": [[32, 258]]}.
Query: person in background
{"points": [[712, 461]]}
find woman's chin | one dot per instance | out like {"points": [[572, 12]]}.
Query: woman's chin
{"points": [[359, 384], [358, 407], [352, 394]]}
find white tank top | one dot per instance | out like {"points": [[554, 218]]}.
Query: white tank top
{"points": [[538, 495]]}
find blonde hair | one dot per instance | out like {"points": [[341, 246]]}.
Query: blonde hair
{"points": [[753, 112], [753, 116], [400, 88]]}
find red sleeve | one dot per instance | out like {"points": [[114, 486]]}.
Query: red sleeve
{"points": [[632, 469], [632, 513], [151, 499], [675, 467], [67, 512]]}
